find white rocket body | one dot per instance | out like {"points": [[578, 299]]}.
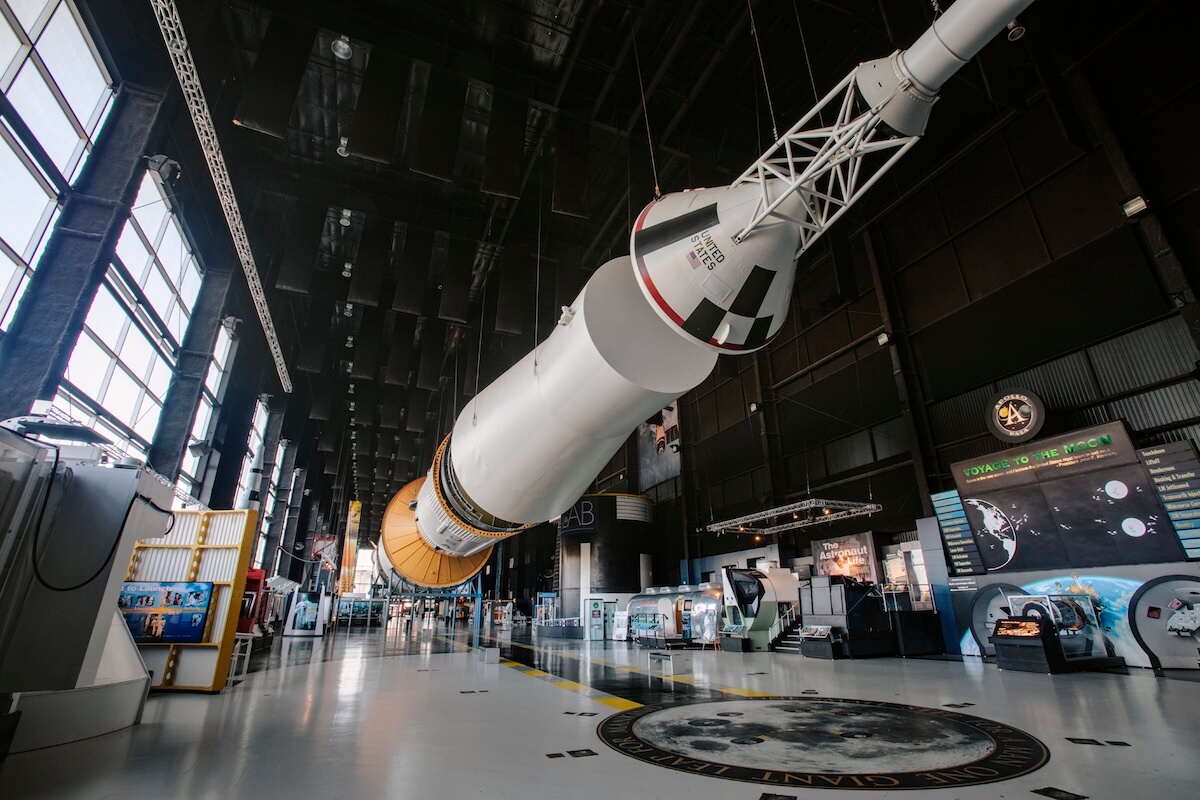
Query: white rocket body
{"points": [[644, 330]]}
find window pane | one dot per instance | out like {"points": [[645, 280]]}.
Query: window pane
{"points": [[9, 270], [106, 318], [149, 208], [158, 292], [137, 352], [176, 321], [22, 201], [71, 63], [160, 378], [27, 11], [121, 398], [203, 415], [172, 254], [42, 113], [147, 419], [132, 252], [87, 366], [9, 45], [191, 285]]}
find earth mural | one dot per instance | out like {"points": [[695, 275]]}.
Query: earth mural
{"points": [[1112, 599]]}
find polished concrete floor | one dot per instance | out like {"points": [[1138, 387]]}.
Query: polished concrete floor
{"points": [[417, 714]]}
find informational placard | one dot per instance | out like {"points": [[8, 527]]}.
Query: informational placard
{"points": [[1175, 470], [658, 448], [161, 612], [957, 535], [1080, 499], [850, 556]]}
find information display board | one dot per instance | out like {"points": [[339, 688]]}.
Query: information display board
{"points": [[957, 535], [1175, 470], [1081, 499], [162, 611]]}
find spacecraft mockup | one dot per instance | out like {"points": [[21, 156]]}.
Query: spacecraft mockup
{"points": [[710, 271]]}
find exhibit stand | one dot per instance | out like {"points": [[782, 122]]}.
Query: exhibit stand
{"points": [[188, 587], [68, 667]]}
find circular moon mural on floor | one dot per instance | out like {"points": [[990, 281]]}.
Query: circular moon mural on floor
{"points": [[825, 743]]}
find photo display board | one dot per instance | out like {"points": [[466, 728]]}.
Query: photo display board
{"points": [[957, 535], [1082, 499], [851, 556], [165, 612]]}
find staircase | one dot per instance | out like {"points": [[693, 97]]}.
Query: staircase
{"points": [[788, 638]]}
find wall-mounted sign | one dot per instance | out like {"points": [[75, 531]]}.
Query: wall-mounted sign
{"points": [[1080, 499], [1015, 415], [165, 611], [1175, 470], [851, 556]]}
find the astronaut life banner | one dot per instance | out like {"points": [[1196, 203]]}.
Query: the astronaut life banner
{"points": [[1081, 499], [852, 556]]}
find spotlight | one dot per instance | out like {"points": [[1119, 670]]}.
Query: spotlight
{"points": [[341, 148], [345, 220], [351, 389], [348, 311], [1015, 30], [826, 512], [349, 342], [346, 269], [351, 405], [882, 339], [1134, 206], [341, 48]]}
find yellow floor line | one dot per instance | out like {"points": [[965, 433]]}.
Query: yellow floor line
{"points": [[572, 685], [745, 692], [619, 703]]}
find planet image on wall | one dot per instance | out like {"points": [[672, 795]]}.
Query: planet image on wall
{"points": [[994, 532]]}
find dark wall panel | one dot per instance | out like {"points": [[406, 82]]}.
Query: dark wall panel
{"points": [[429, 369], [515, 303], [931, 288], [1078, 205], [571, 167], [1001, 249], [366, 346], [300, 251], [456, 282], [978, 184], [270, 90], [1095, 292], [441, 122], [400, 350], [413, 273], [372, 133], [374, 256], [505, 149]]}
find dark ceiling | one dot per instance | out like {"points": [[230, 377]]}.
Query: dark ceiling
{"points": [[496, 153]]}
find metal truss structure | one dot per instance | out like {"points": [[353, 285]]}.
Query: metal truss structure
{"points": [[828, 165], [795, 515], [193, 93]]}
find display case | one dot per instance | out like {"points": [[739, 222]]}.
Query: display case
{"points": [[1052, 633]]}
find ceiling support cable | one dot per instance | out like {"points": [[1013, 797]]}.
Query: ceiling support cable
{"points": [[193, 93]]}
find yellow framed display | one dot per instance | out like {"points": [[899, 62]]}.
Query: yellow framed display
{"points": [[206, 547]]}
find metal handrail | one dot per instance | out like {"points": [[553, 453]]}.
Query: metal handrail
{"points": [[782, 623]]}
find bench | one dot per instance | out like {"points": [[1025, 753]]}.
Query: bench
{"points": [[670, 663]]}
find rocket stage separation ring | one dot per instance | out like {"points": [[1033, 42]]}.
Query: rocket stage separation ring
{"points": [[825, 742]]}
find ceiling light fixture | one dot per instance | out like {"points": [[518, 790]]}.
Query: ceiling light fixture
{"points": [[1015, 30], [349, 342], [346, 269], [341, 48], [345, 220], [1134, 206], [351, 389], [342, 150], [348, 311]]}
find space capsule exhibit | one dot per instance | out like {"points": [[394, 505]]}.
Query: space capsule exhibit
{"points": [[710, 271]]}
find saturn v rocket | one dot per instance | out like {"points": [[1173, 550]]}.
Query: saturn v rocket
{"points": [[710, 271]]}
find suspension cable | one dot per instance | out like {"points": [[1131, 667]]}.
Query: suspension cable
{"points": [[646, 116], [762, 65]]}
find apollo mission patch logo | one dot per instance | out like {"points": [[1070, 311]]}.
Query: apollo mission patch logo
{"points": [[1015, 415]]}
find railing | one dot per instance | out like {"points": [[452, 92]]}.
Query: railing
{"points": [[784, 621]]}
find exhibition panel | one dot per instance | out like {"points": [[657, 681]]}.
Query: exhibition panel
{"points": [[183, 596]]}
